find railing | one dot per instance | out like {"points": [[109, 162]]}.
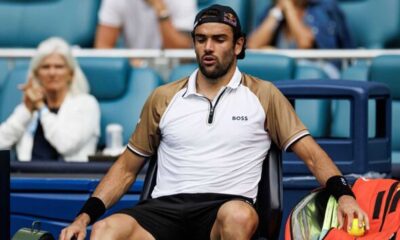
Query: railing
{"points": [[162, 60], [189, 53]]}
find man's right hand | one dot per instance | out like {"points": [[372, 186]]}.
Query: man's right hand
{"points": [[77, 230]]}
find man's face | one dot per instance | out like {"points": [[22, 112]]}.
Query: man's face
{"points": [[215, 50]]}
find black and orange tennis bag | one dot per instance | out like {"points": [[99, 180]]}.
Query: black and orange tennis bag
{"points": [[315, 216]]}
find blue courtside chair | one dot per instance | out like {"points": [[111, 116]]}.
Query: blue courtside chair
{"points": [[372, 24], [121, 91], [385, 69], [25, 23]]}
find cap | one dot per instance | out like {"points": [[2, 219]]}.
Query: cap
{"points": [[221, 14]]}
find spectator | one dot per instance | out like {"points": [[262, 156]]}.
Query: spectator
{"points": [[57, 119], [211, 132], [302, 24], [146, 24]]}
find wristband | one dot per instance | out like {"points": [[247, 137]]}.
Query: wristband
{"points": [[338, 186], [93, 207], [277, 14]]}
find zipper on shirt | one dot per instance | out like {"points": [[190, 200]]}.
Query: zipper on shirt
{"points": [[212, 108]]}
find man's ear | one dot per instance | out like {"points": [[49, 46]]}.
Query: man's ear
{"points": [[239, 45]]}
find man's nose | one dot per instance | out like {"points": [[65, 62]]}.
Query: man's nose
{"points": [[209, 47]]}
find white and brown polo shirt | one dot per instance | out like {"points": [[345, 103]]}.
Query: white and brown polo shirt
{"points": [[214, 146]]}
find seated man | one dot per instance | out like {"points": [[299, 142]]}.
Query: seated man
{"points": [[209, 159]]}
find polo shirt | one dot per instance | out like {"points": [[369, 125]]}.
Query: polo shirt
{"points": [[214, 146]]}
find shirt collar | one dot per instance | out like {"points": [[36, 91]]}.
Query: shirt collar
{"points": [[233, 83]]}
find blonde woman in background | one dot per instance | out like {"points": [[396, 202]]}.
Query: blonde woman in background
{"points": [[58, 119]]}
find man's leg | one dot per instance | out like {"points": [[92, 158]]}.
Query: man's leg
{"points": [[236, 219], [119, 226]]}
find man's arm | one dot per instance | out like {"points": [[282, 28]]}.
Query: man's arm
{"points": [[323, 168], [110, 189], [106, 36], [171, 36]]}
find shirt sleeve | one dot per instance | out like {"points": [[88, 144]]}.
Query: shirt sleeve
{"points": [[282, 122], [182, 13], [12, 130], [111, 13], [146, 137]]}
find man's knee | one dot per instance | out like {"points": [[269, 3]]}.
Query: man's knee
{"points": [[238, 214]]}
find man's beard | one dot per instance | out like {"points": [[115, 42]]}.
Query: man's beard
{"points": [[218, 71]]}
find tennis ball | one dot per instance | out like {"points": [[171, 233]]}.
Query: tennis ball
{"points": [[355, 230]]}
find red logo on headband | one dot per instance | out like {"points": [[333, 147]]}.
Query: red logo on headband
{"points": [[230, 18]]}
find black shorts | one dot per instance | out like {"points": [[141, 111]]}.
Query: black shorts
{"points": [[180, 216]]}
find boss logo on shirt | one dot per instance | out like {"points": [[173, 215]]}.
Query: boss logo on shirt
{"points": [[239, 118]]}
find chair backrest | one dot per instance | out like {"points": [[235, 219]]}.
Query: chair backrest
{"points": [[269, 203], [120, 90], [373, 24], [10, 95], [386, 69], [25, 23]]}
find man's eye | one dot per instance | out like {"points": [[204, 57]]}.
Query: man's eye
{"points": [[200, 39]]}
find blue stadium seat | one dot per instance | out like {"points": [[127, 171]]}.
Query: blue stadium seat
{"points": [[373, 24], [269, 67], [10, 95], [3, 71], [120, 90], [385, 69], [27, 23], [240, 7]]}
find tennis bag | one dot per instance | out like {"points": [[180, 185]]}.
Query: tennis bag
{"points": [[315, 216]]}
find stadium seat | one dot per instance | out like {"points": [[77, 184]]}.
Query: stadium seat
{"points": [[10, 95], [120, 90], [27, 23], [385, 69], [269, 67], [373, 24], [269, 204], [240, 7], [3, 71]]}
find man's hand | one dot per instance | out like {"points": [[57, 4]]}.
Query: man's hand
{"points": [[77, 229], [348, 209], [157, 5]]}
